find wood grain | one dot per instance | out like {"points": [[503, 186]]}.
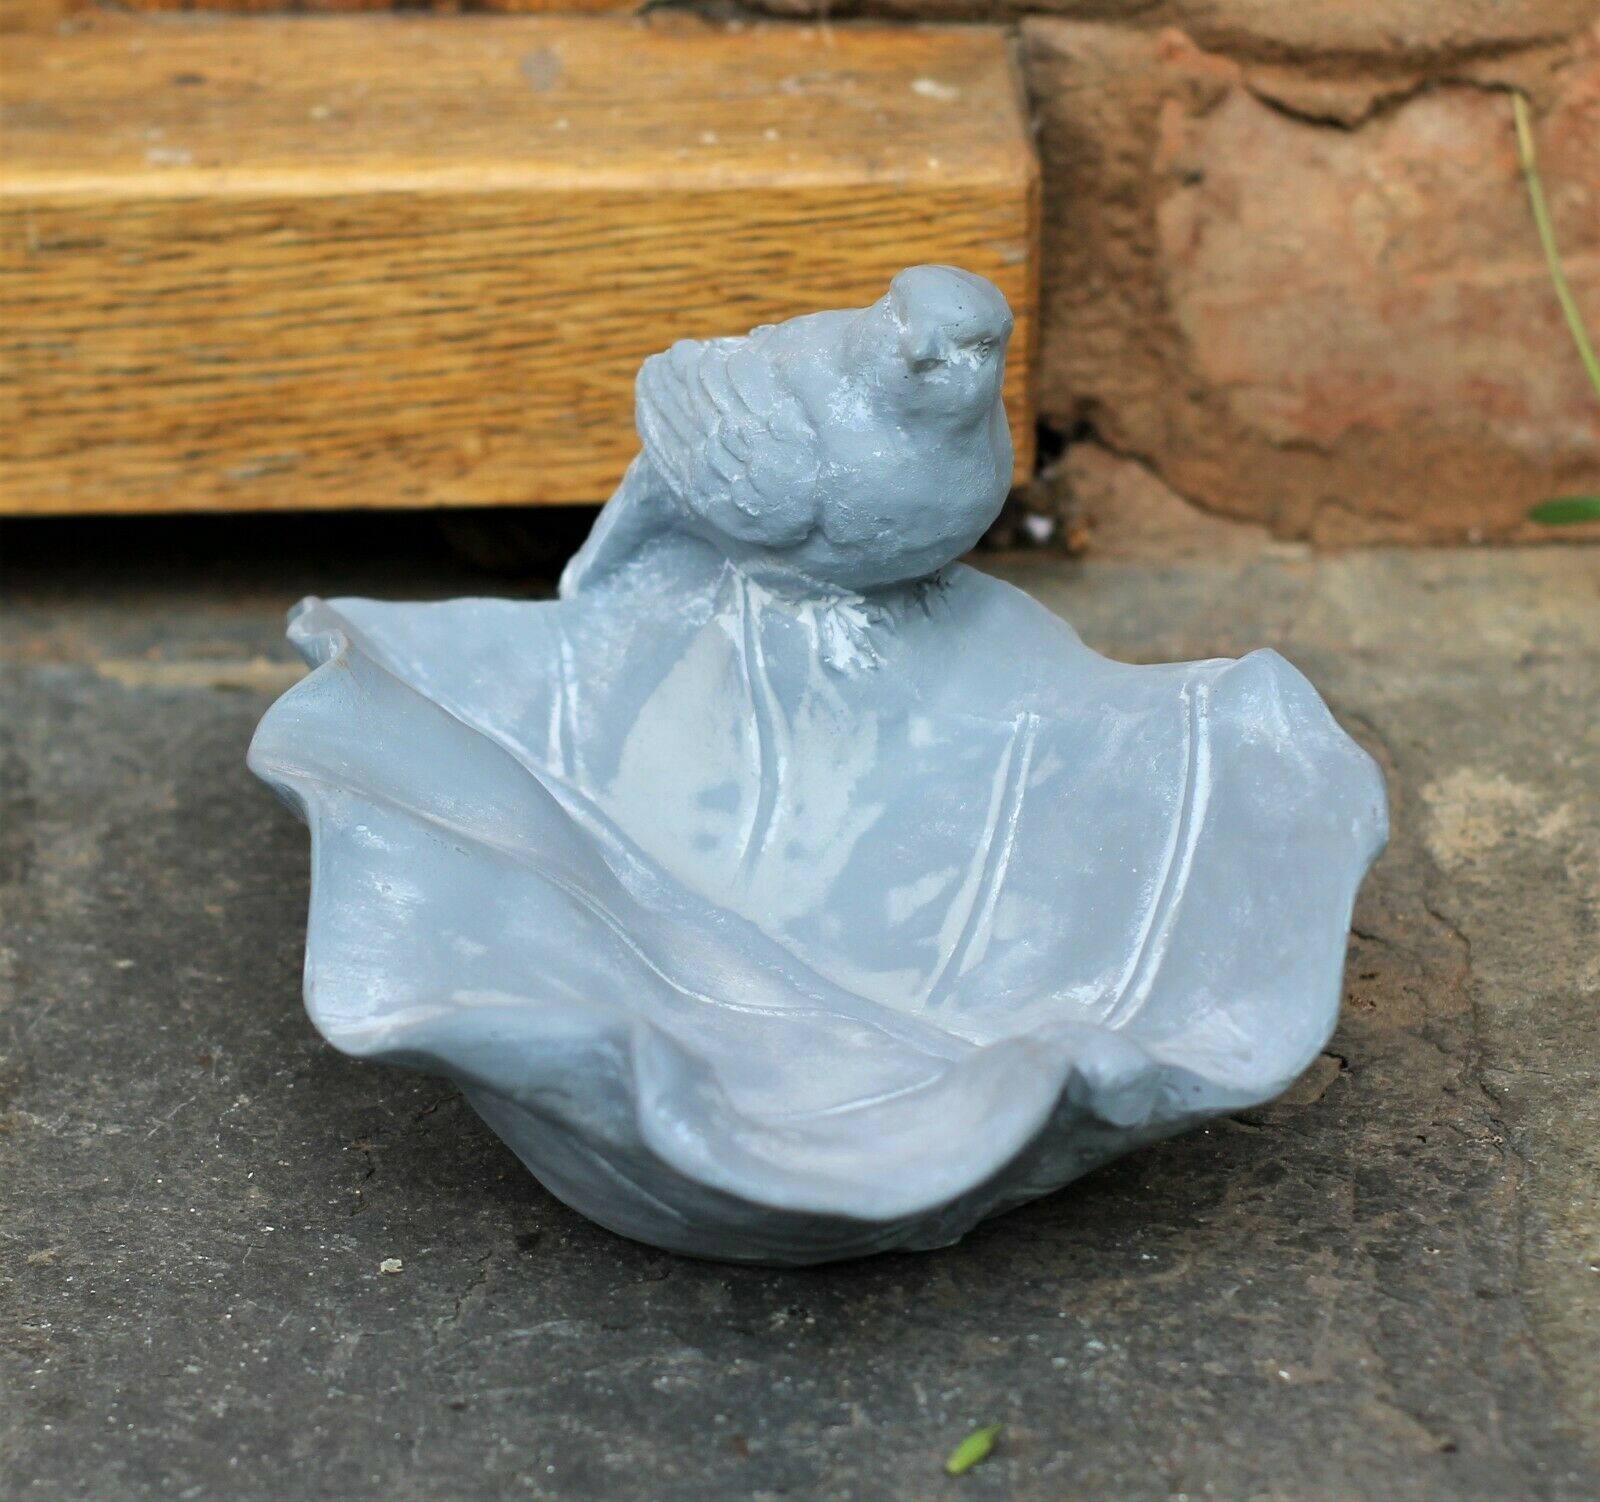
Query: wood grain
{"points": [[32, 15], [436, 7], [269, 263]]}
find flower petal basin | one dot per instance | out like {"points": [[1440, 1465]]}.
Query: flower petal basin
{"points": [[779, 928]]}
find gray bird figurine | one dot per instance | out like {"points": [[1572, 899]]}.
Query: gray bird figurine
{"points": [[846, 451]]}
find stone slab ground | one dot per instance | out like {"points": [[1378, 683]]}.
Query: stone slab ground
{"points": [[1386, 1285]]}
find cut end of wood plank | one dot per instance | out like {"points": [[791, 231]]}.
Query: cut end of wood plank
{"points": [[372, 261]]}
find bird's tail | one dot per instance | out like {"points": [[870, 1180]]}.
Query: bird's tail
{"points": [[626, 522]]}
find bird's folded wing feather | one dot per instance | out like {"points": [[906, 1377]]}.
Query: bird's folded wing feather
{"points": [[730, 440]]}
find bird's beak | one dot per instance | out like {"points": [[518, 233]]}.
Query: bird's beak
{"points": [[924, 350]]}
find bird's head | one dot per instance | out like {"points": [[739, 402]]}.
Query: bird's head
{"points": [[940, 335]]}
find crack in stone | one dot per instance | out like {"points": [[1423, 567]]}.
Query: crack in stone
{"points": [[370, 1171], [1385, 99], [458, 1304]]}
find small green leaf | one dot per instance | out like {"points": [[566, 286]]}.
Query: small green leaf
{"points": [[1566, 509], [975, 1447]]}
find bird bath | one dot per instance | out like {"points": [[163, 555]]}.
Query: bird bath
{"points": [[786, 891]]}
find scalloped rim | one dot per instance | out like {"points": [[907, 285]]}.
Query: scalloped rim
{"points": [[719, 1148]]}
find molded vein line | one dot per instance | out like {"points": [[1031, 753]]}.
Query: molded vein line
{"points": [[999, 840], [1013, 822], [571, 769], [822, 997], [769, 761], [933, 1042], [861, 1102], [555, 741], [1155, 933], [593, 905]]}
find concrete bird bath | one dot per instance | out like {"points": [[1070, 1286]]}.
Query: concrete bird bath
{"points": [[787, 891]]}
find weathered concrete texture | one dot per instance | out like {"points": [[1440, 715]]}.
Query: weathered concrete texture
{"points": [[1342, 327], [1385, 1285]]}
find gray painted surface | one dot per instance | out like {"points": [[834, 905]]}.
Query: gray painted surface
{"points": [[774, 921]]}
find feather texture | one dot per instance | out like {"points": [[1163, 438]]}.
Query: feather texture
{"points": [[849, 449], [729, 439]]}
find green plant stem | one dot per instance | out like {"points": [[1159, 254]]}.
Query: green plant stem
{"points": [[1547, 238], [975, 1447], [1567, 510]]}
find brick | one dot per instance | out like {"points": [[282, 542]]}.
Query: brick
{"points": [[1345, 334]]}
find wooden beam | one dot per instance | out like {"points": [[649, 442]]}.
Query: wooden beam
{"points": [[254, 263]]}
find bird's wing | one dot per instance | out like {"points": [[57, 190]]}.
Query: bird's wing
{"points": [[730, 440]]}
